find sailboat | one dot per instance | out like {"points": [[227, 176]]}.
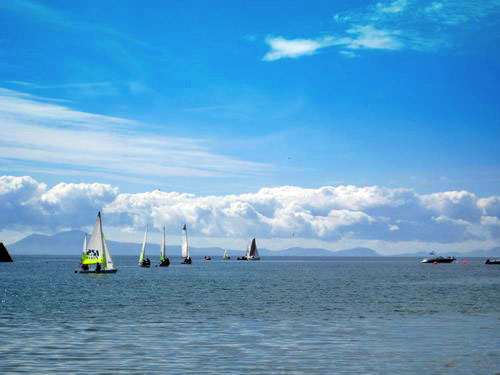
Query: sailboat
{"points": [[252, 253], [144, 262], [226, 255], [95, 251], [164, 261], [185, 247]]}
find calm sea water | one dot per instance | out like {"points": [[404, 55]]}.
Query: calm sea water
{"points": [[275, 316]]}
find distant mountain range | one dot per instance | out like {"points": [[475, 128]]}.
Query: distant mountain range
{"points": [[71, 242]]}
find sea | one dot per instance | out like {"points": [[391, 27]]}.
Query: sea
{"points": [[279, 315]]}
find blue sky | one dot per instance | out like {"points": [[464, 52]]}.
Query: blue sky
{"points": [[221, 98]]}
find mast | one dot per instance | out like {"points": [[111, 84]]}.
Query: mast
{"points": [[162, 249]]}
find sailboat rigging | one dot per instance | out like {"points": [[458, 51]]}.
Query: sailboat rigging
{"points": [[185, 247], [144, 262], [164, 261], [95, 251]]}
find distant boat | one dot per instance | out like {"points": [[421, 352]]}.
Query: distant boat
{"points": [[252, 253], [207, 257], [492, 261], [185, 247], [438, 259], [95, 251], [144, 262], [226, 255], [164, 261], [4, 254]]}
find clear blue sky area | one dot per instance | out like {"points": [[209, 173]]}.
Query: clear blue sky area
{"points": [[309, 93]]}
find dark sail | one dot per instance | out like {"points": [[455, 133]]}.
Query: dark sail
{"points": [[4, 254], [253, 249]]}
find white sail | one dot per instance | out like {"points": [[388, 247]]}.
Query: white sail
{"points": [[108, 262], [94, 251], [143, 249], [226, 254], [84, 250], [247, 254], [162, 248], [185, 246]]}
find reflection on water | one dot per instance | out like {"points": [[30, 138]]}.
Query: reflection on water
{"points": [[276, 316]]}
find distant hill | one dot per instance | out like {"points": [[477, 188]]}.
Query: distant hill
{"points": [[70, 243]]}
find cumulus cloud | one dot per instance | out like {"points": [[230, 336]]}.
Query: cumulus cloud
{"points": [[29, 205], [329, 213]]}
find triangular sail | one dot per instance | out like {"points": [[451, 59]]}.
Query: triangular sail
{"points": [[84, 250], [226, 254], [254, 253], [162, 248], [247, 254], [253, 249], [108, 262], [185, 246], [94, 252], [143, 249]]}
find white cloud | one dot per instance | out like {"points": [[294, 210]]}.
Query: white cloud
{"points": [[330, 213], [394, 7], [368, 37], [360, 37], [395, 25], [59, 138], [293, 48]]}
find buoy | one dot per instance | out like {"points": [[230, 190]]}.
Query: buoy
{"points": [[465, 262], [434, 262]]}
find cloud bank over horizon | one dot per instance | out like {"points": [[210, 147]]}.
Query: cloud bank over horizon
{"points": [[329, 213]]}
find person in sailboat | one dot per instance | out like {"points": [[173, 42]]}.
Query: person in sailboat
{"points": [[165, 262], [98, 267], [85, 267]]}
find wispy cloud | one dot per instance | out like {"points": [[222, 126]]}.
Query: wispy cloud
{"points": [[60, 138], [392, 25], [293, 48], [359, 37]]}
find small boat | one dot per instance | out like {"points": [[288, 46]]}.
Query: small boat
{"points": [[226, 255], [164, 261], [144, 262], [4, 254], [492, 261], [96, 251], [438, 259], [252, 253], [185, 247], [207, 257]]}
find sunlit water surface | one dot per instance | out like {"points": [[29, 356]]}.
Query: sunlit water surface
{"points": [[275, 316]]}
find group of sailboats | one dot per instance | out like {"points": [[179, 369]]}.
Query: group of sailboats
{"points": [[95, 251], [164, 261]]}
